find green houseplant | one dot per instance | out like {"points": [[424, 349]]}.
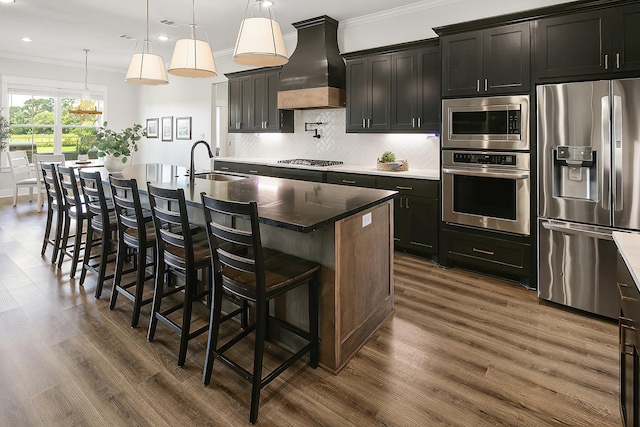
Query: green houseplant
{"points": [[4, 131], [117, 147]]}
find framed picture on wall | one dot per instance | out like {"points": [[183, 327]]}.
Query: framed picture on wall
{"points": [[152, 128], [183, 127], [167, 128]]}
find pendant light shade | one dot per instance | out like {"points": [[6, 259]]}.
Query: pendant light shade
{"points": [[260, 40], [85, 106], [192, 57], [146, 68]]}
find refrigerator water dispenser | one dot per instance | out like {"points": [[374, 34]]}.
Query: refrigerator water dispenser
{"points": [[575, 173]]}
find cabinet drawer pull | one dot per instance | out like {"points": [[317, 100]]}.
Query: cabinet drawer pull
{"points": [[606, 62], [346, 181], [626, 298], [400, 187], [252, 171], [483, 251], [633, 328], [224, 168], [618, 60]]}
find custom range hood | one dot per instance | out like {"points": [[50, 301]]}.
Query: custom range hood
{"points": [[315, 76]]}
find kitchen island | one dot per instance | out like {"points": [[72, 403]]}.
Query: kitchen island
{"points": [[348, 230]]}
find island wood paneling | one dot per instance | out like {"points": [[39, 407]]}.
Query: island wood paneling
{"points": [[461, 349]]}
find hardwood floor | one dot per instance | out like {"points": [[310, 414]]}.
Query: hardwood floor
{"points": [[462, 349]]}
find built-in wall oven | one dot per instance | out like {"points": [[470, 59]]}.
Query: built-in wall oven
{"points": [[486, 168], [486, 123], [490, 190]]}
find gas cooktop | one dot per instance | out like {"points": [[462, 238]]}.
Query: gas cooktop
{"points": [[310, 162]]}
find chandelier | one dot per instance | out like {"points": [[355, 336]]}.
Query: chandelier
{"points": [[85, 105]]}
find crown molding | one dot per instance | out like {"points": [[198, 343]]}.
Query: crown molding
{"points": [[395, 12], [58, 63]]}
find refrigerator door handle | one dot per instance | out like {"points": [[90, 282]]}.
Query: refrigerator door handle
{"points": [[618, 200], [605, 109], [566, 229]]}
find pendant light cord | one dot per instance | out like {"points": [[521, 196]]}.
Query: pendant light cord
{"points": [[86, 68]]}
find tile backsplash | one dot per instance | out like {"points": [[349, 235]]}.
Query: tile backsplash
{"points": [[422, 151]]}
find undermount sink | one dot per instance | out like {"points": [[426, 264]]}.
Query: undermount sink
{"points": [[219, 176]]}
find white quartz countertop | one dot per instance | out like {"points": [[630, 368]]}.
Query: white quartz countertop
{"points": [[431, 174], [629, 247]]}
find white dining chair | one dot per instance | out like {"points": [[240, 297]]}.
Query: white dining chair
{"points": [[38, 160], [22, 176]]}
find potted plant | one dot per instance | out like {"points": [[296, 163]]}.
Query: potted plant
{"points": [[116, 147], [4, 131], [387, 162]]}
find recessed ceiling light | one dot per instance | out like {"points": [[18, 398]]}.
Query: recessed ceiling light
{"points": [[163, 38], [26, 39], [7, 1]]}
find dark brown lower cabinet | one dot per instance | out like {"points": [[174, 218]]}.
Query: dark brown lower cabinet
{"points": [[629, 327], [300, 174], [509, 255], [416, 214]]}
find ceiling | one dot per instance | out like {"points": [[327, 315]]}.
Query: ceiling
{"points": [[60, 29]]}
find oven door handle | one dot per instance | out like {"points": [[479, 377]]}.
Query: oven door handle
{"points": [[479, 173]]}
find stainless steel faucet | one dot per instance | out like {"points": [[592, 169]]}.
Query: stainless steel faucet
{"points": [[192, 165]]}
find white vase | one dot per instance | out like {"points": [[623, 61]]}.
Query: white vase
{"points": [[113, 164], [83, 157]]}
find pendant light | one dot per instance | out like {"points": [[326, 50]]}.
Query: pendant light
{"points": [[85, 104], [146, 68], [260, 40], [192, 57]]}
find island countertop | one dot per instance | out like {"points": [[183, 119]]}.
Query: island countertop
{"points": [[295, 205]]}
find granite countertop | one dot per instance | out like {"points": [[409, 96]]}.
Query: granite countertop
{"points": [[296, 205], [629, 247], [431, 174]]}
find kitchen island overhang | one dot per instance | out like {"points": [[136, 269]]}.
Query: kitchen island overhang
{"points": [[348, 230]]}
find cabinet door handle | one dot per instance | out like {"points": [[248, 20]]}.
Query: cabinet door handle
{"points": [[483, 251], [401, 202], [400, 187], [364, 123], [419, 121], [406, 202], [486, 85], [346, 181], [606, 62], [413, 122], [237, 125], [368, 123], [478, 85], [618, 60]]}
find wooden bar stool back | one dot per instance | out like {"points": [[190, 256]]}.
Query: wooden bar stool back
{"points": [[55, 207], [101, 221], [182, 254], [257, 275], [135, 232], [74, 210]]}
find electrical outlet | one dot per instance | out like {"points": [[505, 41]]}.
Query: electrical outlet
{"points": [[366, 220]]}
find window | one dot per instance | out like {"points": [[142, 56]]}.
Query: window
{"points": [[39, 117]]}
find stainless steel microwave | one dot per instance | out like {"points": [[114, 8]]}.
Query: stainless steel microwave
{"points": [[497, 122]]}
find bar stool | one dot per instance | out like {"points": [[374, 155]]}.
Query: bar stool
{"points": [[135, 232], [55, 206], [182, 254], [101, 219], [74, 210], [258, 276]]}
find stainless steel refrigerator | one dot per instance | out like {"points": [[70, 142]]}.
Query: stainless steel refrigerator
{"points": [[588, 186]]}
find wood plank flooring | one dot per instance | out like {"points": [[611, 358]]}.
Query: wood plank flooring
{"points": [[462, 349]]}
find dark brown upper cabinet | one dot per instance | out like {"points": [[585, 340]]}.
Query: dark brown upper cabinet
{"points": [[491, 61], [253, 102], [589, 43], [415, 90], [394, 89], [369, 94]]}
